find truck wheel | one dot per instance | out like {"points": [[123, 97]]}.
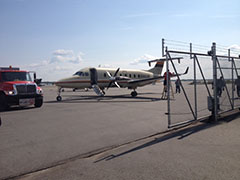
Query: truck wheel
{"points": [[3, 103], [38, 103]]}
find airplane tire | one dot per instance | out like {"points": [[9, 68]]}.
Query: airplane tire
{"points": [[134, 93], [59, 98]]}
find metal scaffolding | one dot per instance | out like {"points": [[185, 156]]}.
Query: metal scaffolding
{"points": [[210, 89]]}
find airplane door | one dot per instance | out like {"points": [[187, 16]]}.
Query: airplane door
{"points": [[93, 76]]}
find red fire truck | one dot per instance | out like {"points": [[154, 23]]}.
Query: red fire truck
{"points": [[17, 88]]}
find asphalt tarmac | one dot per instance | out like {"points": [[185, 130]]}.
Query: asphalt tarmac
{"points": [[113, 137], [37, 138]]}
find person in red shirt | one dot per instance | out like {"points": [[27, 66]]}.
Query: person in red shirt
{"points": [[165, 77], [164, 95]]}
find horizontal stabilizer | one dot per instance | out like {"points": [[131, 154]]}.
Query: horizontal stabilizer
{"points": [[163, 59]]}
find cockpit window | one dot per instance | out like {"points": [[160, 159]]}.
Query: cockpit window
{"points": [[79, 73]]}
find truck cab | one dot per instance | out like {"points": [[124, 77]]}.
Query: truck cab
{"points": [[18, 89]]}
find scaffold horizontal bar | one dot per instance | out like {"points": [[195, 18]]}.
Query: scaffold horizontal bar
{"points": [[201, 54]]}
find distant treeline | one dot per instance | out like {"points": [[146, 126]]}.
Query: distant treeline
{"points": [[48, 83]]}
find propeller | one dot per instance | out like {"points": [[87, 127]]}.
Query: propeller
{"points": [[113, 79]]}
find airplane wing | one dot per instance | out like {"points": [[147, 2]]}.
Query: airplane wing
{"points": [[142, 82]]}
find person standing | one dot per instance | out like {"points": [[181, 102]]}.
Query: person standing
{"points": [[237, 83], [177, 83], [165, 88], [220, 86]]}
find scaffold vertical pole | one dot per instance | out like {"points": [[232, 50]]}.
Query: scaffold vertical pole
{"points": [[229, 59], [195, 80], [215, 103], [168, 88], [195, 87], [191, 51], [163, 43]]}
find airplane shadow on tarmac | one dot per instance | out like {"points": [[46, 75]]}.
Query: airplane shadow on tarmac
{"points": [[106, 99], [179, 134]]}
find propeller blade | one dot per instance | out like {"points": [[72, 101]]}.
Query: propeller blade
{"points": [[113, 79], [109, 85], [117, 84], [116, 72], [109, 74]]}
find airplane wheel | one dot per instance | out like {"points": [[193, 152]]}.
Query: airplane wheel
{"points": [[59, 98], [134, 93]]}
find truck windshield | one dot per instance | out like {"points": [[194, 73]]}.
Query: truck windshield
{"points": [[16, 76]]}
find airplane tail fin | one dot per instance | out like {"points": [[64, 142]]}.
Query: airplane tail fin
{"points": [[157, 68]]}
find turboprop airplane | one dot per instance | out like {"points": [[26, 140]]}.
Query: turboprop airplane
{"points": [[100, 78]]}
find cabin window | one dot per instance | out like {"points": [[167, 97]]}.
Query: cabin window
{"points": [[138, 76], [134, 75], [130, 75], [105, 75], [125, 74], [86, 74], [120, 74]]}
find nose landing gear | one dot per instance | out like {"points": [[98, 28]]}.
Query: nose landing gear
{"points": [[59, 97]]}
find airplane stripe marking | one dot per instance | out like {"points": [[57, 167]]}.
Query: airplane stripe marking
{"points": [[86, 81]]}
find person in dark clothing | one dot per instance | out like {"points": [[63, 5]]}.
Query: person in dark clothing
{"points": [[237, 83], [220, 86], [177, 83]]}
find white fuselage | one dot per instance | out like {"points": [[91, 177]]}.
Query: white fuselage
{"points": [[83, 78]]}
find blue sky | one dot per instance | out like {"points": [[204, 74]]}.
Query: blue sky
{"points": [[57, 37]]}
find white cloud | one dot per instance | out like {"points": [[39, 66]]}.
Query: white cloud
{"points": [[62, 55], [183, 15], [235, 47], [62, 63], [143, 59], [234, 50], [226, 16], [142, 15], [63, 52]]}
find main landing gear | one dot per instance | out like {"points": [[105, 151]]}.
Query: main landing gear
{"points": [[134, 93]]}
